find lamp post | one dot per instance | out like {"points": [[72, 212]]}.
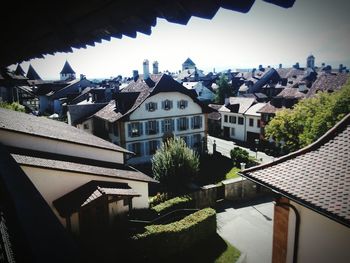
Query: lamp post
{"points": [[242, 188], [256, 148]]}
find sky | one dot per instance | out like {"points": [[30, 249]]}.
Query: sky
{"points": [[267, 35]]}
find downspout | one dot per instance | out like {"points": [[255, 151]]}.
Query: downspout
{"points": [[297, 227]]}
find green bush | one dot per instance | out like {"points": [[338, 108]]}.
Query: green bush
{"points": [[160, 241], [157, 199], [173, 204], [239, 155], [12, 106]]}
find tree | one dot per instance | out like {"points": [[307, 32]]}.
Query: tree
{"points": [[310, 119], [239, 155], [174, 164], [224, 90]]}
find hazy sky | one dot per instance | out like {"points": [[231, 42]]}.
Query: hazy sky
{"points": [[266, 35]]}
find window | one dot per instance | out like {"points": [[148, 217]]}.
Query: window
{"points": [[196, 140], [182, 124], [185, 139], [240, 120], [251, 122], [232, 131], [258, 123], [233, 119], [136, 148], [151, 106], [196, 122], [86, 126], [225, 118], [152, 127], [168, 125], [135, 129], [153, 146], [167, 104], [182, 104]]}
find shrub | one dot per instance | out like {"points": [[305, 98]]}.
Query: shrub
{"points": [[175, 165], [12, 106], [159, 241], [173, 204], [157, 199]]}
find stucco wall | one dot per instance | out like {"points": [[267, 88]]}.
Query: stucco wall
{"points": [[54, 146], [53, 184], [253, 128], [321, 239], [240, 130]]}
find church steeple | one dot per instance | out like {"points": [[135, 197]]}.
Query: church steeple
{"points": [[67, 72]]}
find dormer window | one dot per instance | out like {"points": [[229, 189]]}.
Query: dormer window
{"points": [[167, 104], [182, 104], [151, 106]]}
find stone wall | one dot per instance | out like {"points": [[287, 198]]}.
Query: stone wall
{"points": [[205, 196]]}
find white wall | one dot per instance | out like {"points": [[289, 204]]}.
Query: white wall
{"points": [[53, 184], [55, 146], [255, 128], [89, 124], [321, 239], [240, 130]]}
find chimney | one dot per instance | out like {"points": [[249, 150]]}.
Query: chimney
{"points": [[260, 67], [135, 75], [296, 65], [145, 69], [340, 68], [155, 67], [280, 66], [253, 72]]}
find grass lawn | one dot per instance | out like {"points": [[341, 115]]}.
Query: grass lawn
{"points": [[233, 173], [215, 250]]}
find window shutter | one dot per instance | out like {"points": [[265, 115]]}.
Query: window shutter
{"points": [[147, 106], [155, 105], [163, 105], [186, 103], [172, 125], [162, 125], [141, 128], [141, 149], [157, 127], [158, 144], [186, 123], [171, 104], [130, 147], [200, 121], [192, 122], [146, 128], [178, 104], [147, 147], [129, 129], [178, 124]]}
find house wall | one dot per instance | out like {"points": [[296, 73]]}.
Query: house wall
{"points": [[253, 128], [240, 130], [86, 126], [31, 142], [321, 239], [143, 116], [53, 184]]}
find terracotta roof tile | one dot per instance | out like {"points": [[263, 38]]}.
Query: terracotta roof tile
{"points": [[317, 176]]}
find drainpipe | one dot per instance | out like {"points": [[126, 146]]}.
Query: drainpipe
{"points": [[297, 227]]}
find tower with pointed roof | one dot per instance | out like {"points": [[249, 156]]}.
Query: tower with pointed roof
{"points": [[32, 74], [67, 72], [19, 70], [188, 64], [310, 61]]}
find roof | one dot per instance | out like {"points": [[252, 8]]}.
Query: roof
{"points": [[82, 111], [67, 69], [328, 82], [238, 104], [85, 194], [128, 173], [132, 96], [189, 61], [51, 129], [254, 110], [89, 22], [32, 74], [19, 70], [269, 108], [291, 93], [317, 176]]}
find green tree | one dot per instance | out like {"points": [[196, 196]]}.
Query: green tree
{"points": [[239, 155], [224, 90], [175, 165], [309, 119], [12, 106]]}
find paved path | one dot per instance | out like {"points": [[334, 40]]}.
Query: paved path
{"points": [[249, 229], [225, 146]]}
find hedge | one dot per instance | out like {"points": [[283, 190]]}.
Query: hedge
{"points": [[160, 241], [173, 204]]}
